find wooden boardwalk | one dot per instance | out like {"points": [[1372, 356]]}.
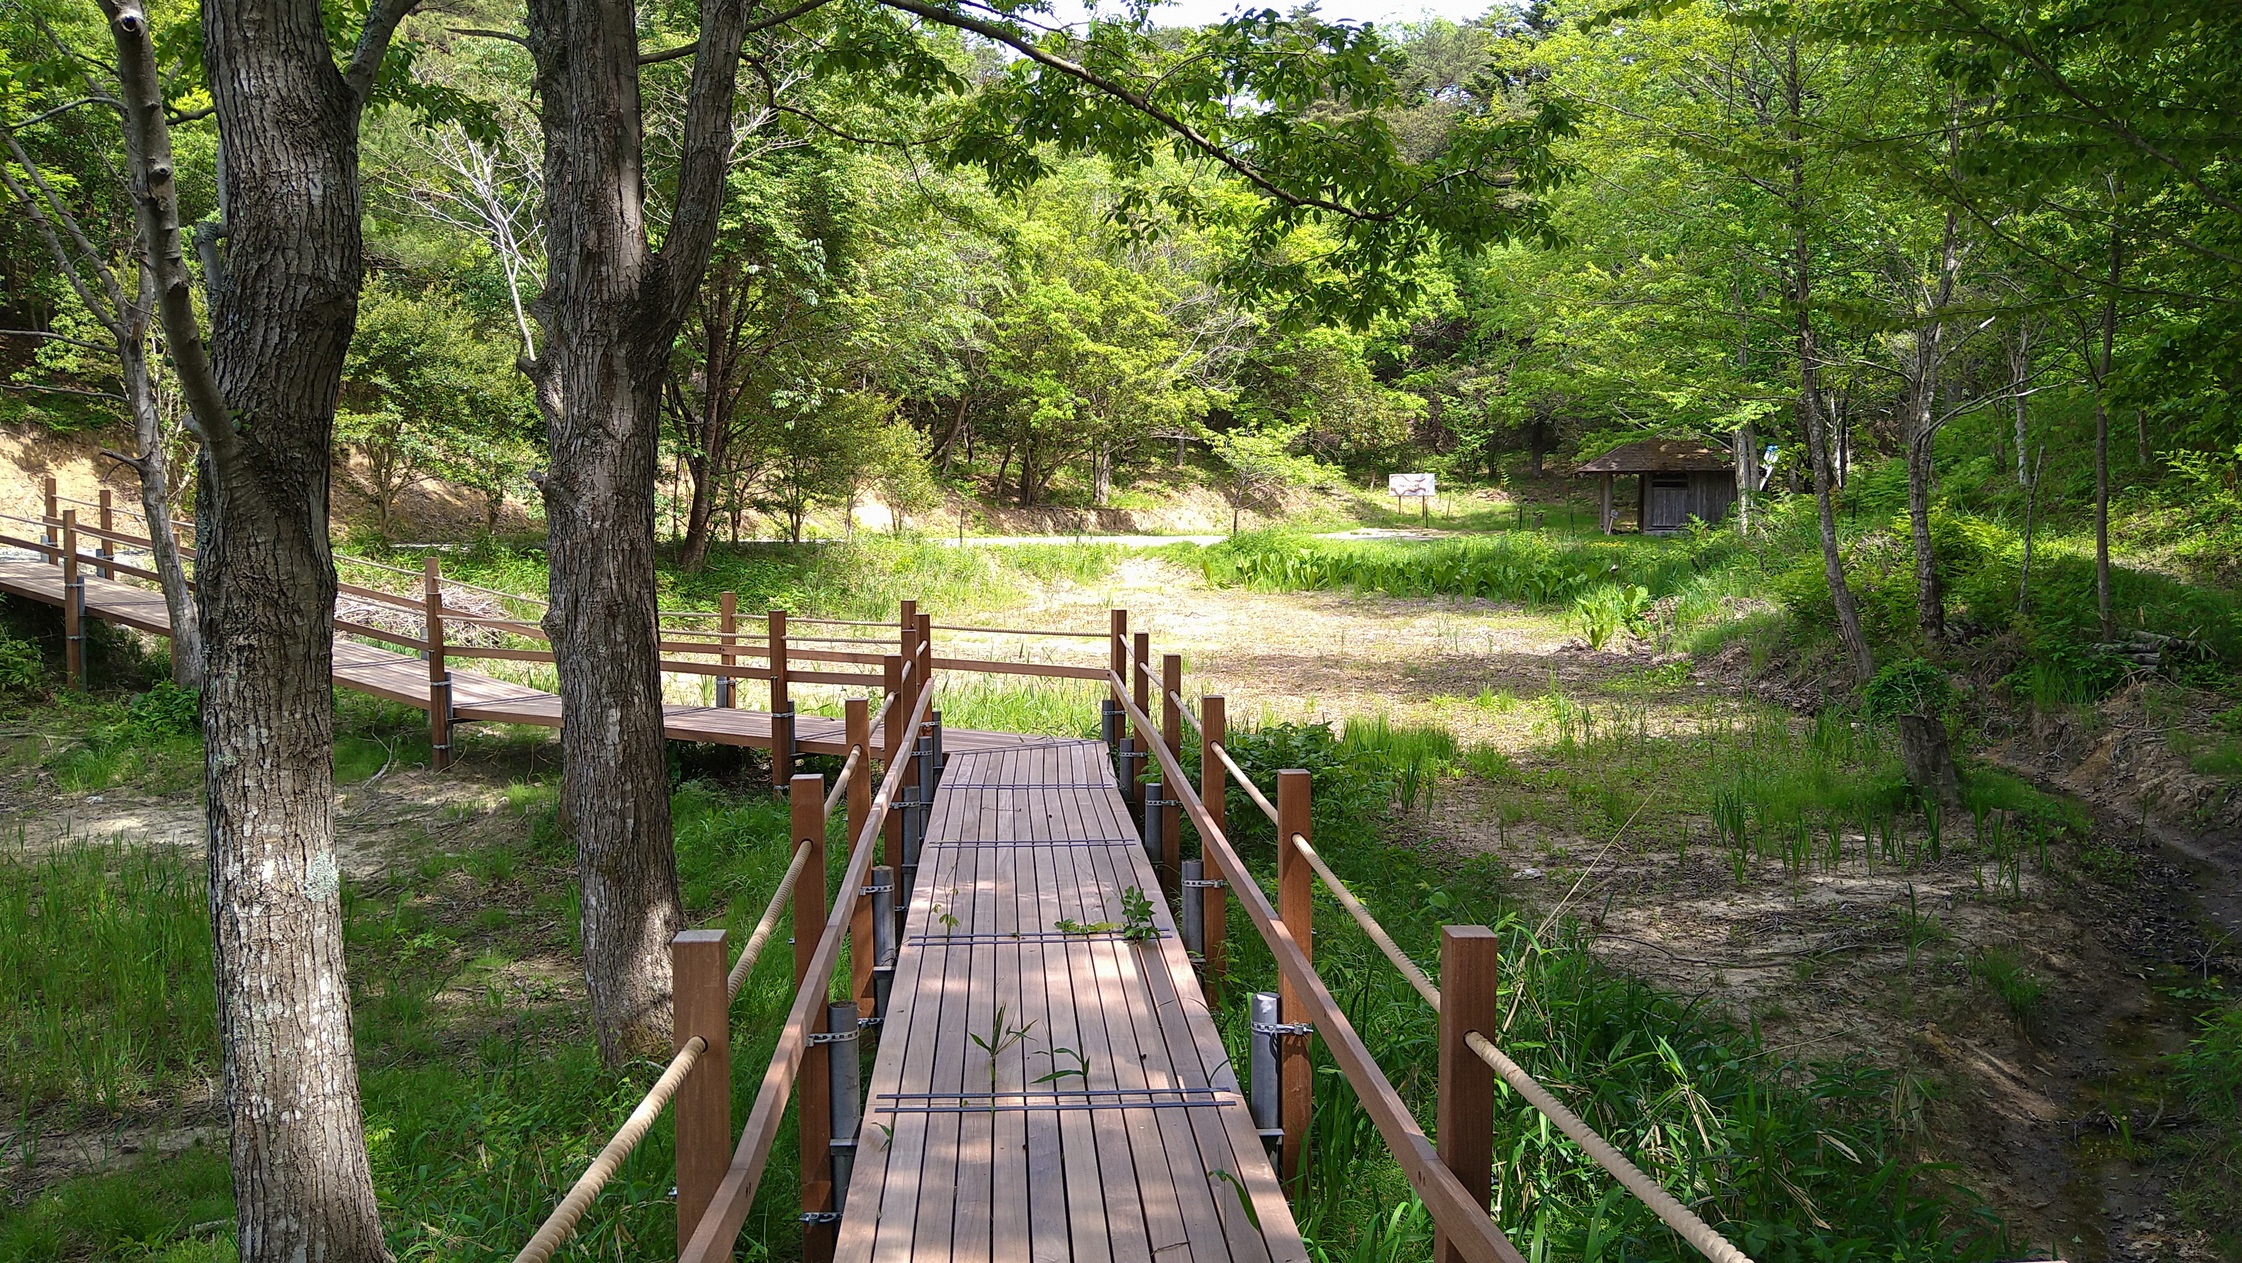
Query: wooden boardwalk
{"points": [[403, 677], [1044, 1093]]}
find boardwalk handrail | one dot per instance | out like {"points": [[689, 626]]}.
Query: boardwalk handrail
{"points": [[1464, 1221], [712, 1239], [561, 1223]]}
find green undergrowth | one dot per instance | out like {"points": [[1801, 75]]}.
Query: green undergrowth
{"points": [[866, 578], [1793, 1160], [483, 1096], [2209, 1079]]}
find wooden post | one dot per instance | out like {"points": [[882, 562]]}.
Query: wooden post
{"points": [[782, 705], [439, 676], [704, 1100], [48, 516], [895, 743], [1214, 729], [1117, 660], [1604, 515], [857, 724], [105, 547], [909, 618], [73, 604], [1171, 734], [1295, 893], [1141, 691], [925, 642], [1469, 956], [813, 1086], [728, 624]]}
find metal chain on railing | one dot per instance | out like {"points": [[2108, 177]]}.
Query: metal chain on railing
{"points": [[561, 1224], [1676, 1216]]}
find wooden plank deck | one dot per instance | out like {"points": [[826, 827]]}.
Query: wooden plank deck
{"points": [[403, 677], [1141, 1147]]}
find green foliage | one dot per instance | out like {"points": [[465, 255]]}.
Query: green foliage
{"points": [[2209, 1077], [1910, 687], [1751, 1135], [1607, 610], [23, 674], [172, 1208], [1525, 568], [106, 992], [2019, 990]]}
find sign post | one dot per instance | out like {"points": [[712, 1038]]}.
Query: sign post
{"points": [[1418, 487]]}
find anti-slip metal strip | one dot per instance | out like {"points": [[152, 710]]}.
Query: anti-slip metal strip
{"points": [[1034, 842]]}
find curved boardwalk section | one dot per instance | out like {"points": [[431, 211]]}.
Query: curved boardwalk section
{"points": [[476, 697], [1047, 1086]]}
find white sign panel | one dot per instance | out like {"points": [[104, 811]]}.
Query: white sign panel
{"points": [[1410, 486]]}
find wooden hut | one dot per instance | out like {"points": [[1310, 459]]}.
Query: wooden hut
{"points": [[1675, 480]]}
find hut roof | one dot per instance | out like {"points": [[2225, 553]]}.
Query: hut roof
{"points": [[1657, 456]]}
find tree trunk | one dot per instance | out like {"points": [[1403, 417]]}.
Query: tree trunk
{"points": [[153, 465], [1744, 444], [2020, 368], [282, 321], [1809, 402], [1930, 602], [1929, 760], [2101, 376], [613, 308], [1537, 443]]}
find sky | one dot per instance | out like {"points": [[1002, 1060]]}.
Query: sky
{"points": [[1382, 12]]}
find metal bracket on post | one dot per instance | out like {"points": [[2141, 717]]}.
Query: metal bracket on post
{"points": [[793, 743], [440, 698], [724, 692], [1261, 1071], [846, 1097], [821, 1216], [1193, 921], [941, 760], [1151, 829]]}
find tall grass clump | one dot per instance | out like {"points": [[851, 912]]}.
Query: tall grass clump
{"points": [[106, 993], [1527, 569], [1025, 704], [2209, 1078], [1791, 1160]]}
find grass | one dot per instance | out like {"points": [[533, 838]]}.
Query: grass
{"points": [[105, 985], [2020, 991], [862, 579], [1750, 1139]]}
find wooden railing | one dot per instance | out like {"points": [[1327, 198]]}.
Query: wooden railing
{"points": [[1454, 1178], [729, 651]]}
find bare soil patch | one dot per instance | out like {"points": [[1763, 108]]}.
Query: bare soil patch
{"points": [[2039, 1115]]}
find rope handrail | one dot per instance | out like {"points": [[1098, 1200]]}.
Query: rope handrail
{"points": [[561, 1224], [1015, 631], [1185, 708], [841, 782], [741, 968], [1369, 924], [1672, 1213], [1245, 782], [727, 1209], [1676, 1216], [1473, 1232]]}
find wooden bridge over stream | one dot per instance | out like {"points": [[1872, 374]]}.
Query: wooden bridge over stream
{"points": [[1033, 961]]}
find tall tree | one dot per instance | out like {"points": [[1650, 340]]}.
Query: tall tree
{"points": [[613, 303], [120, 295], [262, 402]]}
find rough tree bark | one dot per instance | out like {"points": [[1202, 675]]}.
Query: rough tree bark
{"points": [[262, 402], [612, 307]]}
